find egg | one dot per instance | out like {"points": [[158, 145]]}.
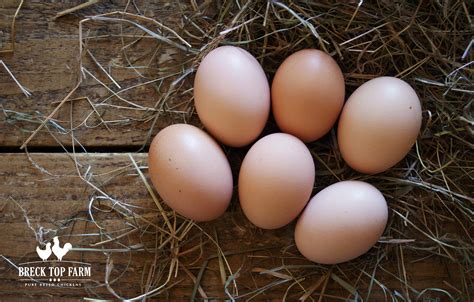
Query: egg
{"points": [[190, 172], [379, 124], [232, 95], [275, 180], [307, 94], [341, 222]]}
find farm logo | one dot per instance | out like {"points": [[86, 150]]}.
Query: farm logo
{"points": [[58, 251], [54, 272]]}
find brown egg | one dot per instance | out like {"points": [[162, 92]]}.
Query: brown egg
{"points": [[341, 222], [307, 94], [190, 172], [232, 95], [275, 180], [379, 124]]}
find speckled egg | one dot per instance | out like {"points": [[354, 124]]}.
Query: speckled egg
{"points": [[190, 172], [379, 124]]}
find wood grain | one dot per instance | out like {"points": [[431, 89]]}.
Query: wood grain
{"points": [[52, 194], [45, 61], [56, 199]]}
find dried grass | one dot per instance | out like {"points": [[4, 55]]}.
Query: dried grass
{"points": [[429, 192]]}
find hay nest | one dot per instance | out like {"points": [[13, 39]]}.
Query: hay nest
{"points": [[428, 44]]}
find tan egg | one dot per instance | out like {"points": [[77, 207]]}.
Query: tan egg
{"points": [[379, 124], [307, 94], [190, 172], [232, 95], [275, 180], [341, 222]]}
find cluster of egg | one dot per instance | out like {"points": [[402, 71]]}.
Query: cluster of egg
{"points": [[377, 127]]}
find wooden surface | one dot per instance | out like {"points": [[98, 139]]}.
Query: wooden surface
{"points": [[60, 195], [45, 61], [48, 188]]}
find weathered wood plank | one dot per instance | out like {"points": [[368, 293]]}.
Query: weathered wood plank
{"points": [[55, 198], [52, 194], [45, 61]]}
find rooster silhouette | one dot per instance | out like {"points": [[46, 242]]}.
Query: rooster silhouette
{"points": [[60, 251], [44, 254]]}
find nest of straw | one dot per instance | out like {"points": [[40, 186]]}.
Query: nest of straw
{"points": [[428, 44]]}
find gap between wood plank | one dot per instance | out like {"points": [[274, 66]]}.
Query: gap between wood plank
{"points": [[90, 149]]}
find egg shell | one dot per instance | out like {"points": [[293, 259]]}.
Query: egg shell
{"points": [[341, 222], [379, 124], [307, 94], [190, 172], [232, 95], [275, 180]]}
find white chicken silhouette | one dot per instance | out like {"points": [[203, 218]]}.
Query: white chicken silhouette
{"points": [[44, 254], [60, 251]]}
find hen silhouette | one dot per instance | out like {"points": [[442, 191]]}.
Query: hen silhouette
{"points": [[44, 254], [60, 251]]}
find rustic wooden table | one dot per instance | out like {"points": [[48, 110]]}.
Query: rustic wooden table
{"points": [[44, 186]]}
